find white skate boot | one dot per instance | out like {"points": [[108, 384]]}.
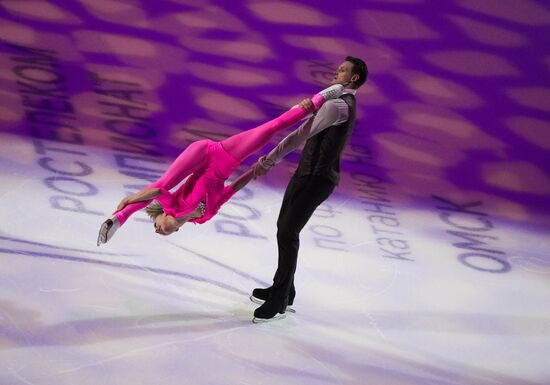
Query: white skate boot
{"points": [[107, 230], [331, 92]]}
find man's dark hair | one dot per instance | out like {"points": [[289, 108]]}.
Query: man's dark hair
{"points": [[359, 68]]}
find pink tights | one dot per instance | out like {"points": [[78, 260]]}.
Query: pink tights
{"points": [[240, 146]]}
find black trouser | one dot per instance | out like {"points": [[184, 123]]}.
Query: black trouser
{"points": [[302, 196]]}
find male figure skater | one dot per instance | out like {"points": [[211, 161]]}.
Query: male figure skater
{"points": [[318, 172]]}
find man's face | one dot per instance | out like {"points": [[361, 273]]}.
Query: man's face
{"points": [[343, 74]]}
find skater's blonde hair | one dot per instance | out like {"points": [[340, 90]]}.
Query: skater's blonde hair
{"points": [[154, 209]]}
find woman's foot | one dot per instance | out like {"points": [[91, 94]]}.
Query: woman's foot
{"points": [[332, 92], [107, 230]]}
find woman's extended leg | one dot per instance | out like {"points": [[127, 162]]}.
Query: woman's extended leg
{"points": [[190, 160], [245, 143]]}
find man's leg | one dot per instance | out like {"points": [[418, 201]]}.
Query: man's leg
{"points": [[302, 197]]}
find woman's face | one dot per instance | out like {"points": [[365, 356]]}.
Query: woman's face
{"points": [[165, 224]]}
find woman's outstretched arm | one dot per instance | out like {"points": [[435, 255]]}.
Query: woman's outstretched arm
{"points": [[142, 195]]}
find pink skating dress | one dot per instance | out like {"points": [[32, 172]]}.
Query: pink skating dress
{"points": [[207, 184]]}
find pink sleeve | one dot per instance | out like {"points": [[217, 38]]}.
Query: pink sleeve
{"points": [[225, 195], [165, 198], [194, 191]]}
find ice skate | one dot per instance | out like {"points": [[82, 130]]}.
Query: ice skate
{"points": [[107, 230], [271, 310], [260, 295]]}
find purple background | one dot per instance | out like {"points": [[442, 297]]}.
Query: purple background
{"points": [[456, 105]]}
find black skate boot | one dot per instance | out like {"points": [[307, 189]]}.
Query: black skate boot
{"points": [[260, 295]]}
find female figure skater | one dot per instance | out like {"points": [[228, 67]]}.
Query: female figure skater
{"points": [[208, 164]]}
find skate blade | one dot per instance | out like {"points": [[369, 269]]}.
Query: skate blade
{"points": [[256, 300], [103, 231], [261, 301], [277, 317]]}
